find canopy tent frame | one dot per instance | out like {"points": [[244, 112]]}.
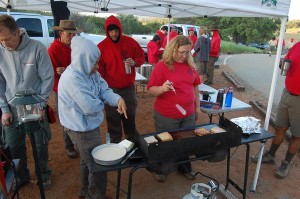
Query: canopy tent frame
{"points": [[180, 9]]}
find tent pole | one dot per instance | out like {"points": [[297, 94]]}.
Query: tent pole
{"points": [[271, 96], [169, 21]]}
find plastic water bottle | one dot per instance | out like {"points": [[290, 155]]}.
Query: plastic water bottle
{"points": [[228, 99]]}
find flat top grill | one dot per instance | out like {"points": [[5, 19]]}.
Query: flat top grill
{"points": [[185, 142]]}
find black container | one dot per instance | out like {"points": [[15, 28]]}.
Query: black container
{"points": [[220, 97], [185, 142]]}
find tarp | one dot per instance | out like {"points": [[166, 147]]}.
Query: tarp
{"points": [[179, 9], [157, 8]]}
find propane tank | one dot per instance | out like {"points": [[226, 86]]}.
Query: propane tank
{"points": [[199, 191]]}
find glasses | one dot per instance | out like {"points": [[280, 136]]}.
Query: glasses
{"points": [[184, 52]]}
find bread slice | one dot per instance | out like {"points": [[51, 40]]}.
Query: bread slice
{"points": [[201, 131], [217, 130], [165, 136], [151, 139]]}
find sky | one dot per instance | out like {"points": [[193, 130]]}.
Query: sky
{"points": [[294, 10]]}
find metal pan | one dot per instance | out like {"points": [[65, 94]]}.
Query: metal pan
{"points": [[108, 154]]}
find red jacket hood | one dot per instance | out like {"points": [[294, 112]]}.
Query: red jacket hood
{"points": [[112, 20]]}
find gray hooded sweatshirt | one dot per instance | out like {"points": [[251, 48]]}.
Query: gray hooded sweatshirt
{"points": [[26, 68], [82, 95]]}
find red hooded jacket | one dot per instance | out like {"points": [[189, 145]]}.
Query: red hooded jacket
{"points": [[172, 36], [215, 44], [162, 37], [153, 52], [111, 65]]}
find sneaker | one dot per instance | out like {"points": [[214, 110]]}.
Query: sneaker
{"points": [[160, 177], [71, 153], [283, 170], [190, 175], [266, 158]]}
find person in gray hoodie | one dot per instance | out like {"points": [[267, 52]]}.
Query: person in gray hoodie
{"points": [[82, 94], [202, 48], [24, 65]]}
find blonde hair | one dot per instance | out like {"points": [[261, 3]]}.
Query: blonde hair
{"points": [[172, 50], [202, 30]]}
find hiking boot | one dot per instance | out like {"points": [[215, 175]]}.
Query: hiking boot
{"points": [[266, 158], [190, 175], [283, 170], [71, 153]]}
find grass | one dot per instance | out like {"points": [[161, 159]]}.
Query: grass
{"points": [[232, 48]]}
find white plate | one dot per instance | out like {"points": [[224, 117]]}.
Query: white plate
{"points": [[108, 154]]}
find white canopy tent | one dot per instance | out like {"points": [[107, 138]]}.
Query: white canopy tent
{"points": [[179, 9]]}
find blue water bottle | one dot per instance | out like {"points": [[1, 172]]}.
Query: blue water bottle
{"points": [[228, 99]]}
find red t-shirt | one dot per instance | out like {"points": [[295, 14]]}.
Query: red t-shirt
{"points": [[184, 80], [193, 40], [292, 80]]}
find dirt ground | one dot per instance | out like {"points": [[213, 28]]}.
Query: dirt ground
{"points": [[65, 177]]}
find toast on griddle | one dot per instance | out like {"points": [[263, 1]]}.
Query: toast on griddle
{"points": [[217, 130], [201, 131], [164, 137]]}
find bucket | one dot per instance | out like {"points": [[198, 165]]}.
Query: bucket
{"points": [[146, 70]]}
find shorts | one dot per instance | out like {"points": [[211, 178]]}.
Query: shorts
{"points": [[272, 48], [288, 113]]}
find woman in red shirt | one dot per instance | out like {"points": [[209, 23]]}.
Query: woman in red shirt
{"points": [[175, 80]]}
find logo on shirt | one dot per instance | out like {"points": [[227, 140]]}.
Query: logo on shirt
{"points": [[269, 2], [28, 64]]}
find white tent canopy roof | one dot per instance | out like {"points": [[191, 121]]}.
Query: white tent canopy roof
{"points": [[159, 8]]}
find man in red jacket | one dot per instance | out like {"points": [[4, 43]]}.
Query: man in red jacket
{"points": [[60, 55], [162, 33], [117, 52], [173, 34], [213, 54]]}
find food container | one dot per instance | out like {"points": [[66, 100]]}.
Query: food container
{"points": [[108, 154], [185, 142]]}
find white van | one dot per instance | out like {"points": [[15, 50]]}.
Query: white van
{"points": [[39, 27]]}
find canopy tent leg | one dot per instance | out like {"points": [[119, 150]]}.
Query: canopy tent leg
{"points": [[271, 97]]}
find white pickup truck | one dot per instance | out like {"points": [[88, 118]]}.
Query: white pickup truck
{"points": [[39, 27], [182, 30]]}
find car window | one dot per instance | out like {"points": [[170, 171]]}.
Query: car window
{"points": [[50, 24], [32, 26]]}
